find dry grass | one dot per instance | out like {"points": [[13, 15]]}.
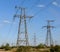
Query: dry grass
{"points": [[31, 50]]}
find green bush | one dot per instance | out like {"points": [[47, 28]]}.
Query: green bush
{"points": [[19, 49], [6, 47], [2, 47], [23, 49], [40, 46], [55, 49]]}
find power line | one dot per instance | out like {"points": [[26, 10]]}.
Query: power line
{"points": [[43, 8], [10, 28], [22, 2], [34, 5]]}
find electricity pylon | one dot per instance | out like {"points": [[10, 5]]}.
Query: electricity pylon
{"points": [[34, 39], [49, 40], [22, 28]]}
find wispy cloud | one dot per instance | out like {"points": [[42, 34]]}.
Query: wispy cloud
{"points": [[56, 4], [6, 21], [41, 5]]}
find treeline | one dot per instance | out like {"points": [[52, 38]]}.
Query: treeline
{"points": [[55, 48], [7, 47]]}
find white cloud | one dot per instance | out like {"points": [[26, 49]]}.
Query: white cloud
{"points": [[56, 4], [6, 21], [41, 5]]}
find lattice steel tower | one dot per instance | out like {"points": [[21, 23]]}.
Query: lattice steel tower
{"points": [[34, 39], [22, 38], [49, 40]]}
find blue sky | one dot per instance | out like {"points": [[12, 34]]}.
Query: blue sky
{"points": [[42, 10]]}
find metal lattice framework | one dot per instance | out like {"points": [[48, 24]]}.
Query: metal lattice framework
{"points": [[22, 38], [49, 40]]}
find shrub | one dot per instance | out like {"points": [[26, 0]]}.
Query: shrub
{"points": [[7, 47], [23, 49], [2, 47], [40, 46]]}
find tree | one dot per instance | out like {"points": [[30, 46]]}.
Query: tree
{"points": [[7, 47], [2, 47], [40, 46]]}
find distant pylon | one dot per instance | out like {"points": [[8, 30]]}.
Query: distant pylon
{"points": [[49, 40], [22, 38], [34, 39]]}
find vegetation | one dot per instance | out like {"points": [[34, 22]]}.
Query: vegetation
{"points": [[41, 46], [32, 48], [6, 47], [23, 49], [55, 48]]}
